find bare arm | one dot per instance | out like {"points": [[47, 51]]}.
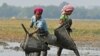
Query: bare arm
{"points": [[35, 31], [31, 25], [61, 21]]}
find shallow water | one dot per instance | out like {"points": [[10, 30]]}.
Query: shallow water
{"points": [[84, 51]]}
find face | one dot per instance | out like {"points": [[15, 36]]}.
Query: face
{"points": [[38, 16], [68, 12]]}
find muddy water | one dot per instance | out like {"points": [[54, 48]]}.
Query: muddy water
{"points": [[13, 50]]}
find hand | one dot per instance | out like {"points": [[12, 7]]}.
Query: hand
{"points": [[31, 26], [31, 34]]}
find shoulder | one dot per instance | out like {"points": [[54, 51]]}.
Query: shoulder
{"points": [[33, 18], [62, 17], [42, 20]]}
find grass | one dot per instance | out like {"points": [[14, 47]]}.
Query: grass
{"points": [[11, 30], [86, 30]]}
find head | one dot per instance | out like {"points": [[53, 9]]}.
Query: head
{"points": [[38, 12], [67, 9]]}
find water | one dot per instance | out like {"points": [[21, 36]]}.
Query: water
{"points": [[84, 51]]}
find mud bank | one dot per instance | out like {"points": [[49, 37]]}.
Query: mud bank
{"points": [[13, 49]]}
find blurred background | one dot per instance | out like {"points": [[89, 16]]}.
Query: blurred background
{"points": [[84, 9]]}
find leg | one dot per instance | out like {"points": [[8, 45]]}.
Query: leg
{"points": [[38, 53], [59, 51], [35, 54], [76, 52], [47, 47], [26, 54], [44, 53]]}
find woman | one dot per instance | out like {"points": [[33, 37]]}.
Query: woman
{"points": [[64, 18], [41, 27]]}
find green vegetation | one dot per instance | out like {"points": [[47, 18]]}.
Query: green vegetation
{"points": [[82, 30], [49, 11]]}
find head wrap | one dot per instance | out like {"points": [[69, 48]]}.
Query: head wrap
{"points": [[38, 10], [68, 7]]}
